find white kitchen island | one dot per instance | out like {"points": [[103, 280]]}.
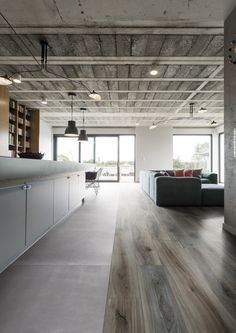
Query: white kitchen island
{"points": [[35, 196]]}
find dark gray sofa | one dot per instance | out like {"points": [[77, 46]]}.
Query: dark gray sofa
{"points": [[182, 191]]}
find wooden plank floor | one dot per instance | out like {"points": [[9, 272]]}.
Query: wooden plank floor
{"points": [[172, 270]]}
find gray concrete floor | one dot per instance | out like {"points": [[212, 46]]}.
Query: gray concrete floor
{"points": [[60, 284]]}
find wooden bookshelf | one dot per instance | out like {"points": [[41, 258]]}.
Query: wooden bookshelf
{"points": [[23, 128]]}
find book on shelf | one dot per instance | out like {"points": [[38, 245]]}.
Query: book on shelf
{"points": [[12, 116], [11, 139], [12, 104]]}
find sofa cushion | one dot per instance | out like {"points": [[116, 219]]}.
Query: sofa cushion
{"points": [[164, 173], [197, 173], [188, 173], [205, 181], [178, 191], [213, 195], [179, 173]]}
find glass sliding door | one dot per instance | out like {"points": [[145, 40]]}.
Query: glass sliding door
{"points": [[106, 157], [87, 151], [127, 158], [115, 154], [67, 149]]}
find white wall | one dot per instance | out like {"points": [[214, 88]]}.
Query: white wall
{"points": [[46, 140], [154, 148]]}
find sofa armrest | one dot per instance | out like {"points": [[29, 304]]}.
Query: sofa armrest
{"points": [[212, 177]]}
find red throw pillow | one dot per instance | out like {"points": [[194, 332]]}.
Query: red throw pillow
{"points": [[188, 173], [179, 173]]}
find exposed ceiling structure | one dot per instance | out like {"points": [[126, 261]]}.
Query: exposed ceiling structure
{"points": [[115, 57]]}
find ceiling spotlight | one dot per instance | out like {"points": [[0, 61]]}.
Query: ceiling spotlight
{"points": [[153, 126], [153, 70], [16, 78], [44, 100], [5, 81], [95, 96], [137, 124], [202, 110]]}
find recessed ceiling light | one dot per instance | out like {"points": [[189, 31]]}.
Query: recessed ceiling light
{"points": [[154, 70], [202, 110], [153, 126], [44, 100], [95, 96], [137, 124], [16, 78], [5, 81]]}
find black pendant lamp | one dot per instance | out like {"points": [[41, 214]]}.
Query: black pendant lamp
{"points": [[71, 129], [82, 135]]}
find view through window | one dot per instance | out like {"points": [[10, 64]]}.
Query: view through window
{"points": [[192, 152], [67, 149], [115, 154]]}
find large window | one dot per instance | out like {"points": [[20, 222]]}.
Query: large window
{"points": [[113, 153], [221, 157], [192, 152], [67, 149]]}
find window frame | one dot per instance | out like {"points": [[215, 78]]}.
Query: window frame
{"points": [[211, 146]]}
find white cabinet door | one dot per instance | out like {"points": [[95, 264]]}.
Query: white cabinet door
{"points": [[81, 185], [73, 191], [61, 198], [12, 224], [39, 210], [76, 189]]}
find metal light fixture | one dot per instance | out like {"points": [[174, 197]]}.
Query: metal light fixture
{"points": [[153, 126], [5, 81], [95, 96], [202, 110], [154, 70], [44, 100], [71, 129], [16, 78], [82, 135], [213, 122], [191, 109]]}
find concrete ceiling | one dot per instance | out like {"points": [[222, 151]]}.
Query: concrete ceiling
{"points": [[110, 47]]}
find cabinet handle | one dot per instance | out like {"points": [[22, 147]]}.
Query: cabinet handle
{"points": [[68, 177], [26, 187], [78, 175]]}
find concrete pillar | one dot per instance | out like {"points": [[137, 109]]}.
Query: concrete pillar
{"points": [[230, 127]]}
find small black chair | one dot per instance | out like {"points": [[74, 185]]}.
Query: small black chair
{"points": [[92, 179]]}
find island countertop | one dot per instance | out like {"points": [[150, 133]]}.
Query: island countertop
{"points": [[15, 170]]}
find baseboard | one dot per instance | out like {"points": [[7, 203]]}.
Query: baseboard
{"points": [[229, 229]]}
